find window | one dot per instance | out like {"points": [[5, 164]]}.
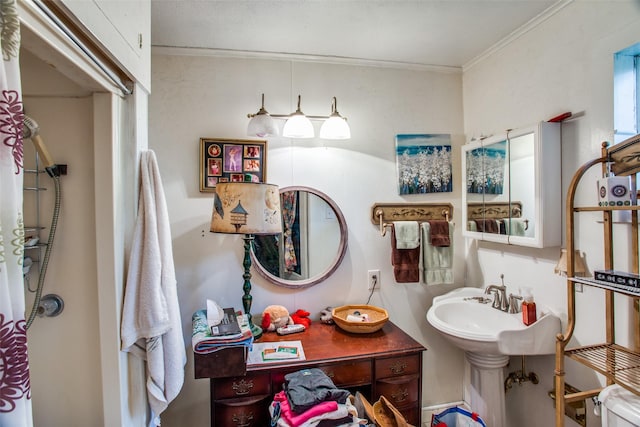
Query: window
{"points": [[626, 85]]}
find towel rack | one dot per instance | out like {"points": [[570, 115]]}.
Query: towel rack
{"points": [[495, 210], [383, 214]]}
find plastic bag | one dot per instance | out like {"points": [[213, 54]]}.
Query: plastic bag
{"points": [[457, 417]]}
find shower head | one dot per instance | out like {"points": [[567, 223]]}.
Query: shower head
{"points": [[31, 130]]}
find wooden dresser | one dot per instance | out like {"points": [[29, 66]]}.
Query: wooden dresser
{"points": [[387, 362]]}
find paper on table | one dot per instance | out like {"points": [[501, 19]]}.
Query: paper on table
{"points": [[255, 355]]}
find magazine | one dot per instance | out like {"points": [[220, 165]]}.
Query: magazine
{"points": [[274, 352]]}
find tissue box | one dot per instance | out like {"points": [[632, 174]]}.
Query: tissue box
{"points": [[614, 191]]}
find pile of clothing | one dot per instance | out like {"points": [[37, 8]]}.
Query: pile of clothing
{"points": [[310, 399]]}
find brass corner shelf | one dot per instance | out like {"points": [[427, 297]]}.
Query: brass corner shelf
{"points": [[617, 363], [626, 290]]}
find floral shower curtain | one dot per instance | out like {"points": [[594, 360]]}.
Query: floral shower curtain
{"points": [[15, 390], [288, 207]]}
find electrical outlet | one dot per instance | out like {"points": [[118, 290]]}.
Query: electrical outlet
{"points": [[373, 277]]}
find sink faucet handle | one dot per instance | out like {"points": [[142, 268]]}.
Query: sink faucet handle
{"points": [[497, 298], [514, 305]]}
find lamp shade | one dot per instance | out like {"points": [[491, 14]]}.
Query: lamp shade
{"points": [[246, 208], [561, 267], [298, 126], [261, 125], [335, 127]]}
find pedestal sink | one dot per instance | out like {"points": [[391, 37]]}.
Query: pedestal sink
{"points": [[489, 336]]}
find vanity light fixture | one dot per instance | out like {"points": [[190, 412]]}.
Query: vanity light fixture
{"points": [[298, 125], [336, 126], [262, 124]]}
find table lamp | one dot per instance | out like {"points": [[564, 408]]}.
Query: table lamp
{"points": [[247, 208], [579, 269]]}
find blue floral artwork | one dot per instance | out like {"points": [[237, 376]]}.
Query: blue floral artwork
{"points": [[424, 163], [485, 169]]}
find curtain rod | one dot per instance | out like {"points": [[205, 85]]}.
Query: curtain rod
{"points": [[87, 51]]}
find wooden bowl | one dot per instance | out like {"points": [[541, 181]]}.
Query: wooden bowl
{"points": [[377, 317]]}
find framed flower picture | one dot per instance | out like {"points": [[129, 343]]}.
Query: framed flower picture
{"points": [[231, 160], [424, 163]]}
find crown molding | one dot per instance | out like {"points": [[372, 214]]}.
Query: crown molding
{"points": [[531, 24], [340, 60], [279, 56]]}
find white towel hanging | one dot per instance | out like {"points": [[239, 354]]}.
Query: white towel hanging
{"points": [[437, 261], [151, 326]]}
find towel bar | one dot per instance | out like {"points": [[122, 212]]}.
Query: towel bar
{"points": [[383, 214], [495, 210]]}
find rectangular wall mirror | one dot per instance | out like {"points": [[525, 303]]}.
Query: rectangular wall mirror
{"points": [[513, 191]]}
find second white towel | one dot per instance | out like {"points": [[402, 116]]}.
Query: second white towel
{"points": [[437, 262]]}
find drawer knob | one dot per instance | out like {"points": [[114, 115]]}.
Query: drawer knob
{"points": [[330, 374], [398, 368], [242, 387], [243, 419], [400, 395]]}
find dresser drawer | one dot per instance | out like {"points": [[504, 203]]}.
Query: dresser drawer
{"points": [[248, 385], [345, 374], [401, 391], [349, 373], [397, 366], [248, 412]]}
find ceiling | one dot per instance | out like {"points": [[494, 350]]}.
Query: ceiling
{"points": [[443, 33]]}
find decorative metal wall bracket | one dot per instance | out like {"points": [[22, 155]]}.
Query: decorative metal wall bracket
{"points": [[383, 214]]}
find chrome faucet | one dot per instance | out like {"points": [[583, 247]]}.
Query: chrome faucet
{"points": [[500, 299], [514, 303]]}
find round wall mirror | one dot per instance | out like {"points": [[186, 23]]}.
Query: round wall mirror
{"points": [[312, 244]]}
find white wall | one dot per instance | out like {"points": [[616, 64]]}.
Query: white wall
{"points": [[64, 351], [197, 97], [565, 64]]}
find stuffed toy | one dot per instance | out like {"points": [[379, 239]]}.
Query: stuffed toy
{"points": [[326, 316], [301, 317], [274, 317]]}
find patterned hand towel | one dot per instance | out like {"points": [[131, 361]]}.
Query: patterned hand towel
{"points": [[437, 261]]}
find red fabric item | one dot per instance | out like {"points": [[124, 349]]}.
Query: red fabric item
{"points": [[266, 320], [294, 419], [439, 230], [301, 317], [406, 262]]}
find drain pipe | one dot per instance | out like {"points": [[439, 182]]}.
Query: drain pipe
{"points": [[520, 377]]}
